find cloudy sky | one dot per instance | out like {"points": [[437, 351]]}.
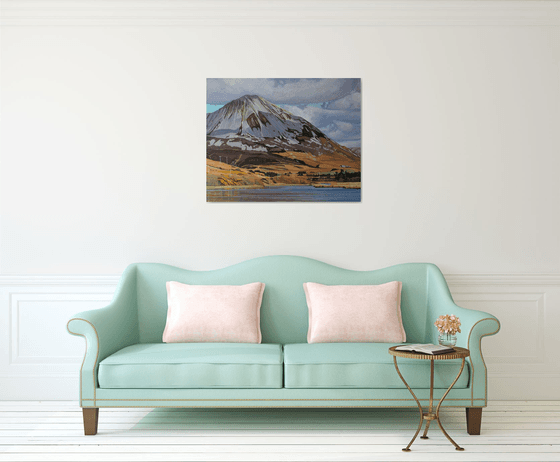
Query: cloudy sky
{"points": [[332, 105]]}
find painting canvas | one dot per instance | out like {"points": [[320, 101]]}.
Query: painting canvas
{"points": [[278, 140]]}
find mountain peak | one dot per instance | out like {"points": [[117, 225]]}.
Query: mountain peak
{"points": [[249, 98], [256, 104], [254, 116]]}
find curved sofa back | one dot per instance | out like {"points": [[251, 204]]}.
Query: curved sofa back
{"points": [[284, 315]]}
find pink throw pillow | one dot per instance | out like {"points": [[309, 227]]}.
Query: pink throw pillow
{"points": [[364, 313], [213, 313]]}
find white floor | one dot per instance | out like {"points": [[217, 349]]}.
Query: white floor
{"points": [[52, 431]]}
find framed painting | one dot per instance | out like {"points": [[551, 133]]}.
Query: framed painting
{"points": [[278, 140]]}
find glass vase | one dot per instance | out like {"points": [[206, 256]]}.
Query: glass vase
{"points": [[449, 340]]}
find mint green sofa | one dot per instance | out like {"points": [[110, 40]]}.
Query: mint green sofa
{"points": [[127, 365]]}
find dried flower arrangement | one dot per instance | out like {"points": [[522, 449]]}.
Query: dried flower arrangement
{"points": [[448, 324]]}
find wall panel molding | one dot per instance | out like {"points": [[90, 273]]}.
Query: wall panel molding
{"points": [[520, 358], [520, 279], [58, 280], [40, 360], [279, 13], [463, 279]]}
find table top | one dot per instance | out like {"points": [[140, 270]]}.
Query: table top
{"points": [[457, 354]]}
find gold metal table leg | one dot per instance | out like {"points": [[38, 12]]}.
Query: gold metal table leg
{"points": [[457, 447], [430, 415], [417, 402], [431, 408]]}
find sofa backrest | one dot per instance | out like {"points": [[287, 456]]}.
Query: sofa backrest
{"points": [[284, 315]]}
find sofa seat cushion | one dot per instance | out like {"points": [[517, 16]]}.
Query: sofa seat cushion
{"points": [[193, 365], [362, 365]]}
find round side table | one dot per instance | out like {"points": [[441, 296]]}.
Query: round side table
{"points": [[459, 353]]}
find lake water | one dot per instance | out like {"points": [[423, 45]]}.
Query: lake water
{"points": [[288, 193]]}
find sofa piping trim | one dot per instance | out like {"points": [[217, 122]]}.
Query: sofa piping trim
{"points": [[85, 355], [481, 356], [260, 407]]}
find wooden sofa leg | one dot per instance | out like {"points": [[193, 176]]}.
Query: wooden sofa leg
{"points": [[91, 417], [474, 418]]}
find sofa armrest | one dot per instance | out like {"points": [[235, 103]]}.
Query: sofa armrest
{"points": [[106, 331], [474, 326]]}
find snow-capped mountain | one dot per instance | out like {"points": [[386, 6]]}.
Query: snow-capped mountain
{"points": [[251, 131], [253, 116]]}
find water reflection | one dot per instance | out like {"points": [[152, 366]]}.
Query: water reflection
{"points": [[284, 194]]}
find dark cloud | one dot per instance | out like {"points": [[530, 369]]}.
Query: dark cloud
{"points": [[348, 134], [321, 117], [281, 91], [339, 119], [352, 101]]}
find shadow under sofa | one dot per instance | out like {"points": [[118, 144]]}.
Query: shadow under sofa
{"points": [[127, 365]]}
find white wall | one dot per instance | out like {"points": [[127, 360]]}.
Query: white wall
{"points": [[103, 140]]}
